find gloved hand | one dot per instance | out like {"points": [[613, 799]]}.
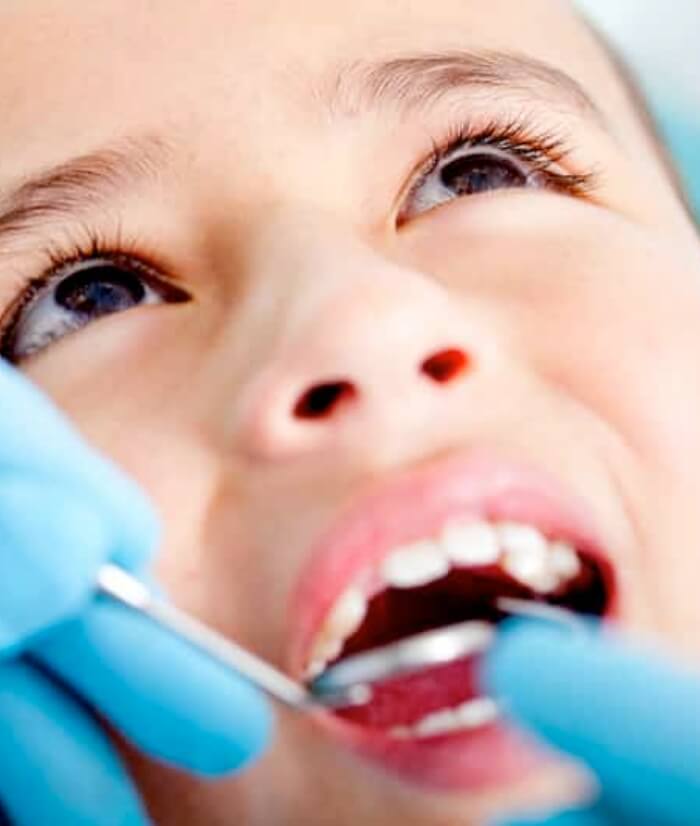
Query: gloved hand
{"points": [[632, 717], [65, 654]]}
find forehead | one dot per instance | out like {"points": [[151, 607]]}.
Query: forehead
{"points": [[267, 31], [80, 73]]}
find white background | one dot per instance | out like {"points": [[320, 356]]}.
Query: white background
{"points": [[661, 38]]}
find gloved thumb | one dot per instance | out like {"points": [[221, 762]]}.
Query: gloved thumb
{"points": [[625, 711]]}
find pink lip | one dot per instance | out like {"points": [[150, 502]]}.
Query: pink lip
{"points": [[411, 507]]}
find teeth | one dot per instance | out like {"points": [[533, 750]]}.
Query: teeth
{"points": [[471, 543], [347, 615], [325, 650], [415, 565], [527, 556], [477, 713], [314, 669], [521, 551], [564, 560], [469, 716], [439, 722], [522, 539]]}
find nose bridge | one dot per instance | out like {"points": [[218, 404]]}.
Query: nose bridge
{"points": [[361, 337], [332, 288], [381, 313]]}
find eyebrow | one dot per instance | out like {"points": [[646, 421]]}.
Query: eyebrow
{"points": [[408, 83], [420, 80], [83, 183]]}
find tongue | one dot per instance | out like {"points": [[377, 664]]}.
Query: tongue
{"points": [[405, 700]]}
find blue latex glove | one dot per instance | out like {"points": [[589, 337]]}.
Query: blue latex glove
{"points": [[630, 716], [65, 654]]}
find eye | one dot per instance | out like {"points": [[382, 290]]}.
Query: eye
{"points": [[468, 172], [75, 296], [494, 159]]}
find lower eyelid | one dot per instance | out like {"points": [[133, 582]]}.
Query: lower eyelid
{"points": [[157, 290]]}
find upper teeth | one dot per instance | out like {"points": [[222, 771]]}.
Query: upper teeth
{"points": [[526, 557], [348, 613], [414, 565], [521, 550], [471, 543], [564, 560]]}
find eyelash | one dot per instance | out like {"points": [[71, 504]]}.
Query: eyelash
{"points": [[124, 254], [542, 150]]}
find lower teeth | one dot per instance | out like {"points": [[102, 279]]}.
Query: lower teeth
{"points": [[471, 715]]}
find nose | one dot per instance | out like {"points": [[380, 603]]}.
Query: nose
{"points": [[374, 363], [323, 400]]}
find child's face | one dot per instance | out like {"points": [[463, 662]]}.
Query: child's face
{"points": [[273, 172]]}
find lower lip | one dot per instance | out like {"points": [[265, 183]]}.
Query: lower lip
{"points": [[490, 757]]}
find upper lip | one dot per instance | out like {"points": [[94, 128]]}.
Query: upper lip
{"points": [[415, 505]]}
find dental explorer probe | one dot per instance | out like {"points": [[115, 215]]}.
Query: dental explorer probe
{"points": [[124, 588], [349, 682]]}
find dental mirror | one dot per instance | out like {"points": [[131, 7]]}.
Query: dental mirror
{"points": [[430, 648], [349, 683]]}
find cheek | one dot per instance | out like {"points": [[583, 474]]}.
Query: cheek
{"points": [[121, 382], [624, 339], [605, 315], [604, 310], [137, 388]]}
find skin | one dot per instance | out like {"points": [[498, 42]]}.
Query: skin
{"points": [[582, 318]]}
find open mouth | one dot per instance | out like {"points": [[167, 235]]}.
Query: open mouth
{"points": [[455, 577], [437, 546]]}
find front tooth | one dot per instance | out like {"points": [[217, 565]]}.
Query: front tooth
{"points": [[477, 713], [415, 565], [525, 538], [564, 560], [471, 543], [347, 615], [526, 555]]}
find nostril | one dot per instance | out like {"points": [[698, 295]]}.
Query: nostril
{"points": [[446, 365], [322, 399]]}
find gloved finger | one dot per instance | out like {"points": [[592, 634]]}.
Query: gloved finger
{"points": [[57, 765], [167, 699], [39, 443], [632, 717], [51, 547], [589, 817]]}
